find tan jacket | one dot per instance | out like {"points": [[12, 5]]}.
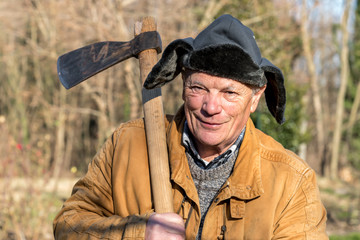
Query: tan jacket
{"points": [[271, 194]]}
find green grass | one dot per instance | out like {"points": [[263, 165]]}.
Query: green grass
{"points": [[351, 236]]}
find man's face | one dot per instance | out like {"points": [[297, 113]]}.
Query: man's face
{"points": [[217, 110]]}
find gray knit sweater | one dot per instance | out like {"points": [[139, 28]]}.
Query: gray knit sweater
{"points": [[208, 182], [209, 178]]}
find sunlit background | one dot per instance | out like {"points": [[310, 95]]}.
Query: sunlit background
{"points": [[48, 134]]}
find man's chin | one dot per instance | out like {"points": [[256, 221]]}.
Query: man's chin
{"points": [[210, 143]]}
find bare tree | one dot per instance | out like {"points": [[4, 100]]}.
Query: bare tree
{"points": [[341, 96], [316, 98]]}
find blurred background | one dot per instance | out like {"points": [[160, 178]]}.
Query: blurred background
{"points": [[48, 135]]}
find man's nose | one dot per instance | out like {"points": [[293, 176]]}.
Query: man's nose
{"points": [[212, 104]]}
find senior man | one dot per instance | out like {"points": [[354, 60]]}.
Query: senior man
{"points": [[229, 179]]}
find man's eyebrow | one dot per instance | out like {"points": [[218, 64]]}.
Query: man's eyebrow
{"points": [[194, 82], [230, 88], [235, 89], [199, 83]]}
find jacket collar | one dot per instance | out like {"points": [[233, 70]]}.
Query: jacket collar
{"points": [[245, 181]]}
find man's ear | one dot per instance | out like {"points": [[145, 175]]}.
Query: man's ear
{"points": [[256, 98], [183, 77]]}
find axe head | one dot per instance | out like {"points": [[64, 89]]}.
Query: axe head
{"points": [[78, 65]]}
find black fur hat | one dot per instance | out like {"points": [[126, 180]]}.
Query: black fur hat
{"points": [[226, 48]]}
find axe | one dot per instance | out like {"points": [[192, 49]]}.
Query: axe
{"points": [[79, 65]]}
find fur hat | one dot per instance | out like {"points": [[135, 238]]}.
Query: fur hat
{"points": [[226, 48]]}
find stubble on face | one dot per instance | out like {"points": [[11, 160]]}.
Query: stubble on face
{"points": [[216, 110]]}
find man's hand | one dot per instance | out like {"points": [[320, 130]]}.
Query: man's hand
{"points": [[165, 226]]}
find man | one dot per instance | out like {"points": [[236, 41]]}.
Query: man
{"points": [[229, 180]]}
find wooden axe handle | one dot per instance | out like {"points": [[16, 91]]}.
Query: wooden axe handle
{"points": [[155, 128]]}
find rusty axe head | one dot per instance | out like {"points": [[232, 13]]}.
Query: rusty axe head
{"points": [[80, 64]]}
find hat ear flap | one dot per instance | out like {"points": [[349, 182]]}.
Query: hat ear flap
{"points": [[275, 94], [170, 64]]}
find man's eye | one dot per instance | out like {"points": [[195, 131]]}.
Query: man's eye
{"points": [[230, 93], [196, 88]]}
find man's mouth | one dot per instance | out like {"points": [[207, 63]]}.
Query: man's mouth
{"points": [[209, 124]]}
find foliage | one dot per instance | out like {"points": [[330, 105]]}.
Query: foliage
{"points": [[353, 133], [355, 56], [27, 195], [290, 134], [44, 128]]}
